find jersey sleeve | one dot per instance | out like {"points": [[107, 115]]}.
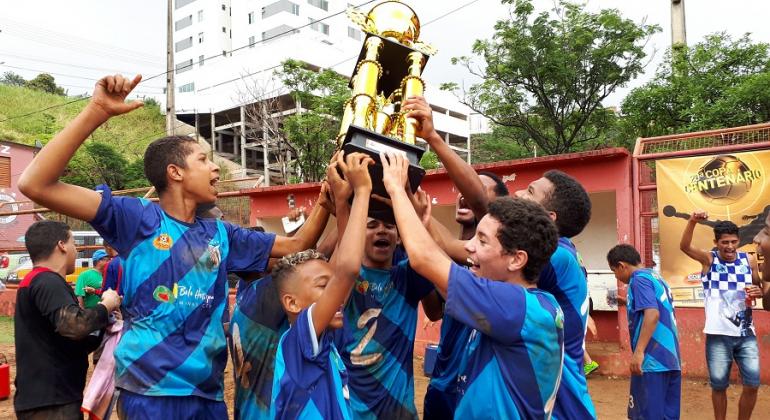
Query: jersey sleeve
{"points": [[124, 221], [249, 250], [417, 286], [495, 308], [50, 295], [301, 349], [644, 294]]}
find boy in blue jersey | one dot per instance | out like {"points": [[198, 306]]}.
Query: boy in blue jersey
{"points": [[171, 358], [656, 377], [514, 358], [564, 277], [310, 381]]}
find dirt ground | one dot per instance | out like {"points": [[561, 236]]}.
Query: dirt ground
{"points": [[609, 394]]}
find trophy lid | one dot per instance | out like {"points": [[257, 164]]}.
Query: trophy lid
{"points": [[396, 20]]}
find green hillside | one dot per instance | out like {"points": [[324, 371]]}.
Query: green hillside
{"points": [[128, 134]]}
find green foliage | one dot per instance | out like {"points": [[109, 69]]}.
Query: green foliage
{"points": [[46, 83], [12, 79], [545, 75], [717, 83], [100, 163], [312, 132], [430, 161], [150, 102]]}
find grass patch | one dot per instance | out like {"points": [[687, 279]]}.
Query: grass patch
{"points": [[6, 330]]}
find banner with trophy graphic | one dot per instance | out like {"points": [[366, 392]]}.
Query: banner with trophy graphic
{"points": [[729, 187]]}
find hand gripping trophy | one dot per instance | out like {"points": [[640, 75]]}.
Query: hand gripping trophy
{"points": [[388, 69]]}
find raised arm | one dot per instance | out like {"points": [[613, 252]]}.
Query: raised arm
{"points": [[425, 256], [459, 171], [40, 180], [351, 244], [703, 257]]}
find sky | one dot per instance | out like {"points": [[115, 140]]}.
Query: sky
{"points": [[78, 41]]}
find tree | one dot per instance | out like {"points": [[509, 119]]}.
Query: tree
{"points": [[545, 76], [100, 163], [12, 79], [714, 84], [319, 97], [46, 83]]}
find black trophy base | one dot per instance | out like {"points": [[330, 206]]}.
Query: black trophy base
{"points": [[361, 140]]}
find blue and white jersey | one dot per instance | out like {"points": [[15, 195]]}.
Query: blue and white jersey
{"points": [[565, 278], [646, 290], [175, 294], [452, 343], [513, 362], [310, 380], [724, 297], [257, 324], [380, 323]]}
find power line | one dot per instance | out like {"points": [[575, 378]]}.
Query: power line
{"points": [[28, 58], [64, 75]]}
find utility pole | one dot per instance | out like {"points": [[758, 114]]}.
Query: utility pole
{"points": [[170, 110], [678, 27]]}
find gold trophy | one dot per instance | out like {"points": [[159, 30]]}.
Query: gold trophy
{"points": [[388, 70]]}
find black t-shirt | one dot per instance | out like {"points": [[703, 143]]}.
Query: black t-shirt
{"points": [[51, 368]]}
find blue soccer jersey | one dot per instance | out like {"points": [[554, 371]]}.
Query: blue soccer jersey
{"points": [[174, 294], [452, 343], [646, 290], [257, 324], [380, 323], [513, 361], [565, 279], [310, 379]]}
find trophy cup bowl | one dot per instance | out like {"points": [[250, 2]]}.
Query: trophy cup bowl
{"points": [[396, 20]]}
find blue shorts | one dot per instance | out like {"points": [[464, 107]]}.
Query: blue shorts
{"points": [[439, 404], [721, 350], [655, 395], [133, 406]]}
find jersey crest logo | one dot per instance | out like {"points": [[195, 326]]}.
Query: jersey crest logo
{"points": [[165, 295], [163, 242], [742, 269], [720, 268], [362, 286]]}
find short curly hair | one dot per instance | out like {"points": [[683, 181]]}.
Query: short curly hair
{"points": [[525, 226], [570, 201], [725, 227], [286, 266], [501, 190], [623, 253]]}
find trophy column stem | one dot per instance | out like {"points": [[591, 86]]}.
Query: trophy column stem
{"points": [[412, 85], [365, 84]]}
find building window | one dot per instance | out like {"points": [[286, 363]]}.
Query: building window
{"points": [[252, 41], [251, 18], [280, 6], [201, 60], [5, 172], [200, 15], [321, 4], [200, 37], [184, 66], [354, 33], [181, 3], [224, 53], [183, 23], [319, 27], [224, 30], [183, 44], [224, 7], [189, 87]]}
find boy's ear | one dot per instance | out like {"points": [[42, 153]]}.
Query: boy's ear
{"points": [[289, 303], [174, 172], [517, 261]]}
